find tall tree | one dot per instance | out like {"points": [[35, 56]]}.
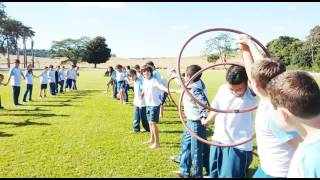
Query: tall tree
{"points": [[27, 32], [97, 51], [313, 44], [72, 49]]}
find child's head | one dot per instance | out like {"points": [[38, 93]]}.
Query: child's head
{"points": [[150, 63], [58, 67], [1, 78], [237, 80], [133, 74], [147, 71], [46, 68], [295, 97], [263, 71], [128, 68], [192, 70], [17, 63], [119, 68], [51, 66], [137, 68], [29, 66]]}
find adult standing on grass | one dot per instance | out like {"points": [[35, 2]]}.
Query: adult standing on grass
{"points": [[15, 74]]}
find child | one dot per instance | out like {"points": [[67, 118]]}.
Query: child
{"points": [[232, 162], [151, 92], [44, 82], [70, 78], [192, 150], [62, 77], [15, 75], [52, 80], [295, 97], [140, 107], [29, 83], [1, 80], [57, 78], [75, 76], [120, 78], [275, 146]]}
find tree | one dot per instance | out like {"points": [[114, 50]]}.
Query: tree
{"points": [[221, 45], [313, 44], [27, 32], [97, 51], [212, 58], [285, 48], [72, 49]]}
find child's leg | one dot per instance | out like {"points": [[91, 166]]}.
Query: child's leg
{"points": [[215, 161], [136, 120], [156, 134], [25, 94], [197, 148], [30, 95], [143, 117], [185, 154]]}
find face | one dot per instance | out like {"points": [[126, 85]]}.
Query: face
{"points": [[17, 64], [239, 89], [133, 77], [147, 74]]}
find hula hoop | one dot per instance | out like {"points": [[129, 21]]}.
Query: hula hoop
{"points": [[169, 92], [194, 134], [184, 87]]}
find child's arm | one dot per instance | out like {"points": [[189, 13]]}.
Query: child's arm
{"points": [[247, 58], [23, 75], [246, 40], [210, 119], [201, 96]]}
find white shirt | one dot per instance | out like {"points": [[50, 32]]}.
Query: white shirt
{"points": [[233, 127], [152, 91], [44, 77], [75, 74], [120, 76], [15, 74], [70, 74], [274, 152], [29, 77], [52, 76], [138, 83], [62, 75]]}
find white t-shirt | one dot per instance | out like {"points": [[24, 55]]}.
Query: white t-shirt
{"points": [[233, 127], [75, 74], [62, 75], [70, 74], [44, 77], [52, 76], [29, 77], [137, 93], [274, 152], [120, 76], [152, 91], [15, 74]]}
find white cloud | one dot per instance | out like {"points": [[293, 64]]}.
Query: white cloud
{"points": [[179, 27], [96, 4], [92, 20]]}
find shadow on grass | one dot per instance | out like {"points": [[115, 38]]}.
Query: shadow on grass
{"points": [[52, 105], [3, 134], [172, 132], [25, 123], [25, 110], [170, 144], [37, 115], [170, 122]]}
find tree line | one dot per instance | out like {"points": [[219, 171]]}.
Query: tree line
{"points": [[11, 31]]}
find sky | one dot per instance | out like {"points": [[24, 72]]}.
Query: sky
{"points": [[150, 29]]}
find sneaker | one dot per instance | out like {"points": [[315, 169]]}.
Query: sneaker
{"points": [[179, 174], [175, 159], [154, 146], [147, 142]]}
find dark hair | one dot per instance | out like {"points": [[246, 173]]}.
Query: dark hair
{"points": [[137, 67], [183, 74], [263, 71], [132, 71], [147, 68], [128, 67], [236, 75], [51, 66], [17, 61], [1, 76], [192, 70], [296, 91], [118, 66], [150, 63]]}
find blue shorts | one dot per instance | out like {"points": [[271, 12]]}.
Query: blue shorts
{"points": [[163, 98], [120, 85], [153, 113], [261, 174], [44, 86], [69, 83]]}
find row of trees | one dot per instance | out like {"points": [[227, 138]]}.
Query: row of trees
{"points": [[84, 49], [293, 51], [11, 31]]}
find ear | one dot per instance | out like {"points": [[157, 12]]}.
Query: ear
{"points": [[284, 113]]}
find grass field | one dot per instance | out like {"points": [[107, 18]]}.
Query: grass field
{"points": [[86, 134]]}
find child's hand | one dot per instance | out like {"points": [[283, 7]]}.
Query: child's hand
{"points": [[204, 123]]}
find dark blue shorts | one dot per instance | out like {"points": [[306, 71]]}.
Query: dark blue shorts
{"points": [[120, 85], [153, 113], [163, 98], [44, 86]]}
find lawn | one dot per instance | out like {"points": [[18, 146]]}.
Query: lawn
{"points": [[86, 134]]}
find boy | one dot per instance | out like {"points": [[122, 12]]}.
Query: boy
{"points": [[140, 107], [15, 74], [29, 83], [192, 150], [52, 80], [44, 82], [70, 78], [231, 162], [120, 78], [295, 97], [62, 77], [57, 78], [151, 91], [275, 146]]}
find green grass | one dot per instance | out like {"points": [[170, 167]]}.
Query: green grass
{"points": [[85, 134]]}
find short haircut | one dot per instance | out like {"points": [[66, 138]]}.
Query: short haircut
{"points": [[137, 67], [150, 63], [119, 66], [17, 61], [147, 68], [296, 91], [1, 76], [128, 67], [236, 75], [263, 71], [51, 66], [192, 70], [132, 71]]}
